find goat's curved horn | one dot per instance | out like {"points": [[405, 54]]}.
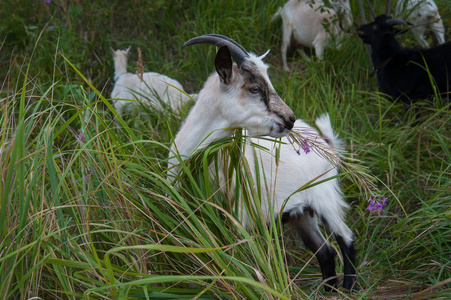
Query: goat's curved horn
{"points": [[392, 22], [236, 50]]}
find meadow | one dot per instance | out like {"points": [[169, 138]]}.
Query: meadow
{"points": [[86, 211]]}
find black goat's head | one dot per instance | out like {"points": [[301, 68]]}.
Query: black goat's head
{"points": [[382, 26]]}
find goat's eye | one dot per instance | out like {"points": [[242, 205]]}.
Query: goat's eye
{"points": [[254, 90]]}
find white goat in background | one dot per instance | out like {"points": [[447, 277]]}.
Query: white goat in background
{"points": [[152, 90], [306, 20], [424, 15], [241, 95]]}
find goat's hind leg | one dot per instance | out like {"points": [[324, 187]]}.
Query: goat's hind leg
{"points": [[345, 239], [348, 251], [438, 30], [306, 225]]}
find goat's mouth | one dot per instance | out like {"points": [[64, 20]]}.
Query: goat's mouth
{"points": [[362, 34], [280, 130]]}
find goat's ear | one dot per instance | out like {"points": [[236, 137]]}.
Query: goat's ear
{"points": [[223, 64], [112, 51], [127, 50]]}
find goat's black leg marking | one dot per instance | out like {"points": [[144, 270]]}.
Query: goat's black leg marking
{"points": [[348, 252], [326, 258], [307, 227]]}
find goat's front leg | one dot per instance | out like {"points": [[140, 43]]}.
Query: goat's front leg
{"points": [[286, 38]]}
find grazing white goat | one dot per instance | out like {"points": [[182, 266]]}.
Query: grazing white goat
{"points": [[241, 95], [424, 15], [152, 90], [313, 25]]}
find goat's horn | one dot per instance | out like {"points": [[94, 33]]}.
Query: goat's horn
{"points": [[236, 50], [391, 22]]}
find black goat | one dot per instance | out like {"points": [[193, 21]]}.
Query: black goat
{"points": [[403, 73]]}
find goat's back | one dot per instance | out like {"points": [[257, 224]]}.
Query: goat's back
{"points": [[154, 87], [406, 75], [416, 10], [306, 20]]}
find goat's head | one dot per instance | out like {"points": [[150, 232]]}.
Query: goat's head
{"points": [[120, 53], [248, 99], [120, 59], [382, 27]]}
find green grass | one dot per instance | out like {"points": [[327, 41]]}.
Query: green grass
{"points": [[96, 218]]}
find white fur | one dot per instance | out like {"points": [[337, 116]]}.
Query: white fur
{"points": [[303, 20], [151, 90], [424, 15], [222, 108], [296, 170]]}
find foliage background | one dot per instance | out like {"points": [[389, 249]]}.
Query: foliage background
{"points": [[86, 211]]}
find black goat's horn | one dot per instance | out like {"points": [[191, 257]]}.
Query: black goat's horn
{"points": [[236, 50], [392, 22]]}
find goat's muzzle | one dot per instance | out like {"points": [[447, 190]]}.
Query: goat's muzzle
{"points": [[290, 122]]}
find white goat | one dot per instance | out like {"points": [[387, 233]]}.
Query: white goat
{"points": [[242, 96], [313, 25], [152, 90], [424, 15]]}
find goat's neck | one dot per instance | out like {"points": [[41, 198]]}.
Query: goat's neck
{"points": [[120, 66], [383, 52], [202, 127]]}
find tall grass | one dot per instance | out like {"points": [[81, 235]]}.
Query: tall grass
{"points": [[86, 210]]}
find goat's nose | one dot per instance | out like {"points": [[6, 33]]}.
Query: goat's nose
{"points": [[289, 123]]}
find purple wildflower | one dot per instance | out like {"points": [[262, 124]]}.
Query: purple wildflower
{"points": [[51, 26], [376, 206], [47, 1], [84, 178], [80, 136], [90, 171], [305, 146]]}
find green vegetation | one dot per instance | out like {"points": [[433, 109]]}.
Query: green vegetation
{"points": [[86, 210]]}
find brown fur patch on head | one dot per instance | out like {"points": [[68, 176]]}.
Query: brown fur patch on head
{"points": [[255, 83]]}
